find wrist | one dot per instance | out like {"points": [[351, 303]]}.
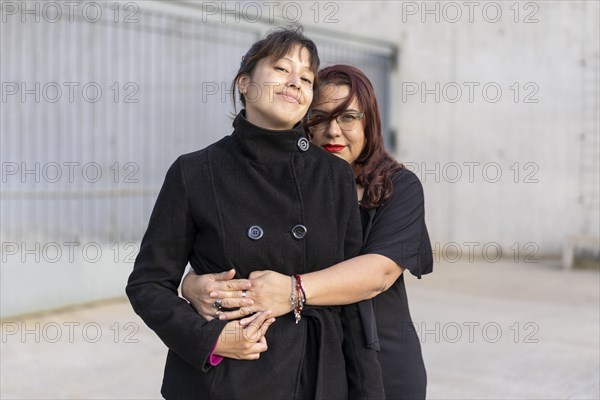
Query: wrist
{"points": [[307, 287], [213, 358]]}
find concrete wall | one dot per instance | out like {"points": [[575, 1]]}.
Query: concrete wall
{"points": [[543, 139]]}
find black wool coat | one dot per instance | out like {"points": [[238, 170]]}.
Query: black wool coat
{"points": [[254, 200]]}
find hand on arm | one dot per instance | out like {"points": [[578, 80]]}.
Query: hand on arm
{"points": [[202, 291], [245, 342], [359, 278], [269, 290]]}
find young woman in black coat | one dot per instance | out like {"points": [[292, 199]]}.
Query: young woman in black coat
{"points": [[255, 198], [344, 120]]}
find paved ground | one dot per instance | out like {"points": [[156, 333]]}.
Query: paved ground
{"points": [[488, 330]]}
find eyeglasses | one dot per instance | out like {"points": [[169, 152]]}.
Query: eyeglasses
{"points": [[318, 121]]}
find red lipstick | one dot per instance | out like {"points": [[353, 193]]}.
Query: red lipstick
{"points": [[333, 148]]}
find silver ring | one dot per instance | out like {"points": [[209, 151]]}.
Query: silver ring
{"points": [[244, 294], [218, 303], [217, 313]]}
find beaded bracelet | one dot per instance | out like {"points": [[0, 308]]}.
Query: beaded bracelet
{"points": [[294, 299], [301, 298], [297, 297], [300, 284]]}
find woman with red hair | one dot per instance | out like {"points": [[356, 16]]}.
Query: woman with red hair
{"points": [[344, 120]]}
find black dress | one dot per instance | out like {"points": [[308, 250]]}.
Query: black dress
{"points": [[254, 199], [397, 230]]}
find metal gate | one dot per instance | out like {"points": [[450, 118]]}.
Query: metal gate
{"points": [[96, 107]]}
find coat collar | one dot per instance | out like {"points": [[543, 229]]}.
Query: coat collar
{"points": [[266, 145]]}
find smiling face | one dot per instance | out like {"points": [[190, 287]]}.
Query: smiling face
{"points": [[345, 143], [279, 92]]}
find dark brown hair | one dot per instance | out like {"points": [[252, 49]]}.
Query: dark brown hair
{"points": [[376, 166], [274, 46]]}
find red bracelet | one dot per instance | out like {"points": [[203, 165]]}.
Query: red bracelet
{"points": [[301, 285], [298, 298]]}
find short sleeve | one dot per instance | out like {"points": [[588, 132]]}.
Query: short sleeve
{"points": [[398, 230]]}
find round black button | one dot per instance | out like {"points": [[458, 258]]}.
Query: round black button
{"points": [[299, 231], [255, 232], [303, 144]]}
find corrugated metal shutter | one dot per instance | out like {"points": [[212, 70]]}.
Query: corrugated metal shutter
{"points": [[93, 113]]}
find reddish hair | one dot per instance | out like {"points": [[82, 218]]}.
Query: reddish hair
{"points": [[376, 166]]}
